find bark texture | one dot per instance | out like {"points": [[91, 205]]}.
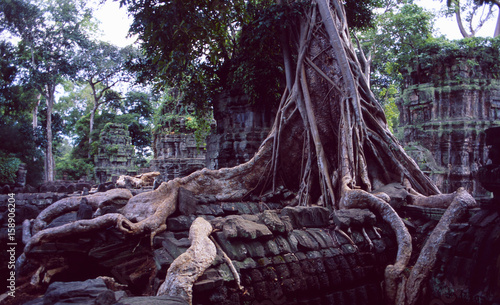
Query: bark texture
{"points": [[186, 268]]}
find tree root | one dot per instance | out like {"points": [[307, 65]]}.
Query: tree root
{"points": [[70, 204], [230, 264], [462, 201], [186, 268], [393, 273], [147, 212], [81, 226]]}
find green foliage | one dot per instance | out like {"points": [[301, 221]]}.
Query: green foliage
{"points": [[477, 52], [20, 143], [8, 167], [388, 99], [112, 149], [203, 47], [74, 168], [396, 41], [360, 13]]}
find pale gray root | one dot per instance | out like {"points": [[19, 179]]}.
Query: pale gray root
{"points": [[442, 201], [147, 212], [228, 261], [70, 204], [81, 226], [146, 179], [367, 238], [462, 201], [26, 231], [190, 265], [394, 278], [344, 234]]}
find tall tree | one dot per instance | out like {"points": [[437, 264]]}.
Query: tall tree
{"points": [[19, 141], [50, 33], [328, 122], [102, 67]]}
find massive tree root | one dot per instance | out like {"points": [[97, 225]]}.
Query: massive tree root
{"points": [[328, 122], [427, 258], [186, 268]]}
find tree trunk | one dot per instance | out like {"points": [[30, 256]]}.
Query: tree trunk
{"points": [[91, 125], [34, 113], [49, 170], [461, 27]]}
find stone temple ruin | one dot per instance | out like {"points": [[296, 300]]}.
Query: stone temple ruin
{"points": [[239, 131], [115, 151], [176, 154], [444, 111], [241, 128]]}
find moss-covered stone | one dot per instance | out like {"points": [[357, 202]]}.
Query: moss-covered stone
{"points": [[443, 118], [115, 153]]}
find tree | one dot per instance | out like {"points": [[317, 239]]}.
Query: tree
{"points": [[19, 140], [102, 67], [329, 122], [50, 32], [473, 8], [400, 31]]}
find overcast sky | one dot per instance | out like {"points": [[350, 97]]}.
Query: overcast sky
{"points": [[115, 23]]}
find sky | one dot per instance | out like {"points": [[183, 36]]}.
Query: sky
{"points": [[115, 23], [448, 26]]}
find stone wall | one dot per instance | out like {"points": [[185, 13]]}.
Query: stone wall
{"points": [[176, 155], [467, 271], [241, 128], [115, 153], [176, 151], [443, 113]]}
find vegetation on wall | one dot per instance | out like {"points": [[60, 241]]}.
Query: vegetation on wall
{"points": [[483, 52]]}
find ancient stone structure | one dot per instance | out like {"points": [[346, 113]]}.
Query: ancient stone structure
{"points": [[467, 270], [241, 128], [176, 152], [115, 153], [444, 110], [282, 255]]}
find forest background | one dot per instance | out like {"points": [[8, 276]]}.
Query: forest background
{"points": [[61, 84]]}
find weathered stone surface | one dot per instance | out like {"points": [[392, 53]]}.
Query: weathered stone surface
{"points": [[154, 300], [237, 227], [489, 175], [74, 292], [85, 210], [115, 151], [354, 218], [396, 192], [465, 270], [443, 113], [187, 202], [176, 152], [241, 128], [273, 222], [307, 216]]}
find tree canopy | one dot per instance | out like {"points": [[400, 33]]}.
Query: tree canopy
{"points": [[203, 47]]}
